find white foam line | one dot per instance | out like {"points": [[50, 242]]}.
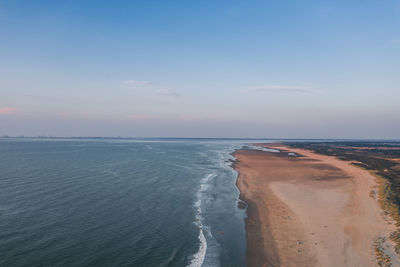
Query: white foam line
{"points": [[198, 258]]}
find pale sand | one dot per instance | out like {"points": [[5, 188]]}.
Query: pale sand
{"points": [[314, 210]]}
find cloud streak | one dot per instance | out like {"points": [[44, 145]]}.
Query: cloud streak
{"points": [[282, 88], [154, 87], [137, 82], [166, 92], [7, 110]]}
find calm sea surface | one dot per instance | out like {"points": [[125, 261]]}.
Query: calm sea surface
{"points": [[119, 203]]}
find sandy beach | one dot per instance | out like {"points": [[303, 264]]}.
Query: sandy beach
{"points": [[310, 210]]}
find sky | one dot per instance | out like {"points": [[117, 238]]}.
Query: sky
{"points": [[210, 68]]}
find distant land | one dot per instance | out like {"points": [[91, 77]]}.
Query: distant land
{"points": [[367, 140]]}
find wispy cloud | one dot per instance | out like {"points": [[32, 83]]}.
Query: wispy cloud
{"points": [[7, 110], [396, 41], [137, 82], [166, 92], [282, 88], [156, 88]]}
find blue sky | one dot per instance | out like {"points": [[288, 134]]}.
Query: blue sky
{"points": [[307, 69]]}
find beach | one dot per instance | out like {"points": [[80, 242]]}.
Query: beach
{"points": [[307, 209]]}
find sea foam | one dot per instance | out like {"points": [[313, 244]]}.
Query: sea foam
{"points": [[199, 256]]}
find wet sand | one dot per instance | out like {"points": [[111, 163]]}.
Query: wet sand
{"points": [[309, 210]]}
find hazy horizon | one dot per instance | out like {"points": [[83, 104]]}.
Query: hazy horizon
{"points": [[309, 69]]}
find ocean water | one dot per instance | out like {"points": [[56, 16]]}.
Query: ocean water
{"points": [[119, 203]]}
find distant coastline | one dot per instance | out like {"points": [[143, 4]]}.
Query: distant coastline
{"points": [[259, 140]]}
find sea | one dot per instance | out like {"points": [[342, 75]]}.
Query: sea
{"points": [[120, 202]]}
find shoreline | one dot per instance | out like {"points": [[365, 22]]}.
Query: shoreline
{"points": [[286, 194], [256, 254]]}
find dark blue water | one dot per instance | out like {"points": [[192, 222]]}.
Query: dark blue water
{"points": [[119, 203]]}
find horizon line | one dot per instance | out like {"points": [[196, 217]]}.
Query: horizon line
{"points": [[199, 138]]}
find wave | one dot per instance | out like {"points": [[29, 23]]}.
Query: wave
{"points": [[221, 159], [199, 256]]}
